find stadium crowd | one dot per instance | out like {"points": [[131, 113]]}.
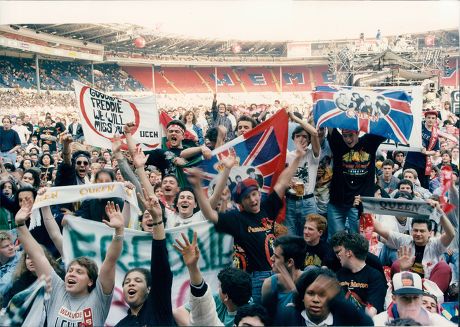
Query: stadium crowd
{"points": [[58, 75], [313, 263]]}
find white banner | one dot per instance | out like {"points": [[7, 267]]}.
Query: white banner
{"points": [[102, 116], [75, 193], [89, 238], [397, 207]]}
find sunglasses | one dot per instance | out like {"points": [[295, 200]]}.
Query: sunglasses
{"points": [[84, 163]]}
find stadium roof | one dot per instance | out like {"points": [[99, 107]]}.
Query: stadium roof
{"points": [[120, 38], [276, 20]]}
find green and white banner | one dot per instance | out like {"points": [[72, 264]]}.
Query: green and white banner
{"points": [[88, 238]]}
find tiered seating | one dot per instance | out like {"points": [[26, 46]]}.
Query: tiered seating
{"points": [[58, 75]]}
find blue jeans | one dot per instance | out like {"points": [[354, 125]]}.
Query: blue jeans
{"points": [[340, 215], [257, 278], [296, 211], [387, 256], [452, 260]]}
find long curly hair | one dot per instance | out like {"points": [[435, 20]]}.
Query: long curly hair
{"points": [[21, 268]]}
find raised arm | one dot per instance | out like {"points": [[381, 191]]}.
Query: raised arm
{"points": [[66, 140], [31, 246], [203, 309], [116, 221], [194, 178], [449, 230], [127, 129], [125, 169], [196, 150], [228, 163], [286, 175], [221, 135], [310, 130], [53, 229]]}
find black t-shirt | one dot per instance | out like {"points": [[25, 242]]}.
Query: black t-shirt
{"points": [[418, 159], [163, 160], [60, 127], [417, 267], [321, 255], [8, 139], [367, 286], [50, 130], [254, 233], [354, 168]]}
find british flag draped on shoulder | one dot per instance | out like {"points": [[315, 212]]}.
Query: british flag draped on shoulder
{"points": [[261, 155], [394, 113]]}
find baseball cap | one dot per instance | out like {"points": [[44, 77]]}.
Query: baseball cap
{"points": [[243, 188], [407, 282], [430, 112], [349, 131]]}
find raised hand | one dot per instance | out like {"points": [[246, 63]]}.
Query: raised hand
{"points": [[179, 161], [207, 154], [23, 215], [66, 138], [229, 161], [357, 201], [129, 185], [139, 158], [116, 143], [128, 128], [301, 146], [115, 216], [42, 190], [190, 252], [194, 176], [151, 203], [325, 285], [406, 260]]}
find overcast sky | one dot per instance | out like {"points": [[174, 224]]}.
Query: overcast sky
{"points": [[249, 20]]}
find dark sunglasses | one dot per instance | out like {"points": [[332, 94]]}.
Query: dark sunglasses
{"points": [[84, 163]]}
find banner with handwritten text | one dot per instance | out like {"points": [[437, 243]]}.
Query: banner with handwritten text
{"points": [[89, 238], [102, 116]]}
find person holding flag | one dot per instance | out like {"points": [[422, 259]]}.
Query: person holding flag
{"points": [[421, 161], [253, 226], [353, 174]]}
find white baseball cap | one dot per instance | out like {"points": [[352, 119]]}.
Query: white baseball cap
{"points": [[407, 282]]}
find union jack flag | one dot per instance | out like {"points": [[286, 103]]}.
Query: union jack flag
{"points": [[381, 111], [261, 154]]}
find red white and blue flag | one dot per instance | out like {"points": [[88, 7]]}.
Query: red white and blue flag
{"points": [[388, 112], [261, 155]]}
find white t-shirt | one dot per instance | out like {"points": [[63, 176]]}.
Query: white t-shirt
{"points": [[23, 132], [435, 319], [431, 256], [306, 171], [174, 220]]}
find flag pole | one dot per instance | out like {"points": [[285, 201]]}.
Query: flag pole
{"points": [[281, 79], [215, 79], [153, 80]]}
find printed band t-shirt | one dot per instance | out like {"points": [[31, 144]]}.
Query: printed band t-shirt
{"points": [[306, 171], [253, 232], [367, 286], [418, 159], [65, 310], [354, 168]]}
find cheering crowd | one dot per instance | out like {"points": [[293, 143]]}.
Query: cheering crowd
{"points": [[303, 255]]}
